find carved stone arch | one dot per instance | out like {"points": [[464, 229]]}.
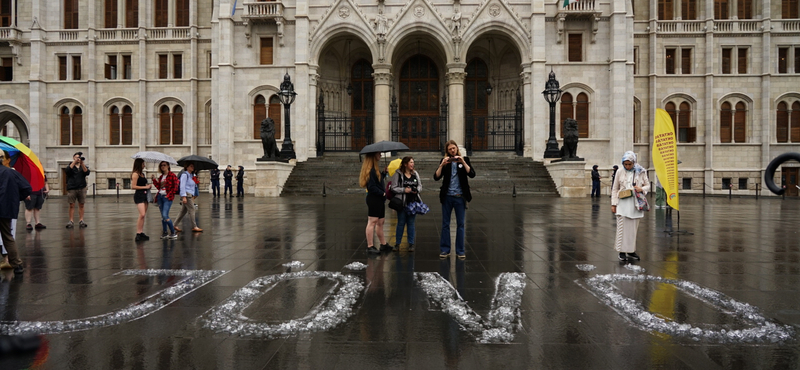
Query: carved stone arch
{"points": [[265, 90], [734, 98], [20, 120], [337, 31], [789, 98], [431, 34], [679, 98], [171, 102], [494, 28], [575, 88], [68, 102]]}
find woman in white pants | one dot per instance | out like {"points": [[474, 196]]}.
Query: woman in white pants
{"points": [[631, 177]]}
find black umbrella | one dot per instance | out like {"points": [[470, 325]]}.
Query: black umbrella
{"points": [[384, 146], [200, 163]]}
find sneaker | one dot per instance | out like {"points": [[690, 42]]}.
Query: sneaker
{"points": [[396, 248], [386, 247], [633, 256], [462, 256], [444, 255], [172, 236], [82, 224], [164, 235], [622, 257], [197, 230], [28, 227], [373, 250], [411, 247], [70, 225], [39, 226], [138, 237]]}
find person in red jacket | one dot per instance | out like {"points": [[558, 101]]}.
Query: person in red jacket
{"points": [[167, 185]]}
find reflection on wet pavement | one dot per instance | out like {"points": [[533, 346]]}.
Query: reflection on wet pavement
{"points": [[292, 286]]}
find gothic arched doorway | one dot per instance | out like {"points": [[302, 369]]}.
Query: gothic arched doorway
{"points": [[362, 104], [418, 117], [476, 103]]}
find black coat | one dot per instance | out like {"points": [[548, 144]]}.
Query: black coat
{"points": [[240, 175], [13, 189], [462, 179], [76, 178], [228, 175]]}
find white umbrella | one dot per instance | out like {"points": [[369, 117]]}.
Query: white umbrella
{"points": [[155, 157]]}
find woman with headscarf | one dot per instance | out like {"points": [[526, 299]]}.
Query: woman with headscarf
{"points": [[630, 178]]}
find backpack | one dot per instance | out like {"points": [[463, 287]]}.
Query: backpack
{"points": [[178, 184]]}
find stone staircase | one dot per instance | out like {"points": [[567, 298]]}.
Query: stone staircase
{"points": [[497, 173]]}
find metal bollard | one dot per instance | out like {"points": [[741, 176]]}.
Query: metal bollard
{"points": [[323, 190], [783, 196], [117, 192], [730, 191], [514, 191], [94, 190]]}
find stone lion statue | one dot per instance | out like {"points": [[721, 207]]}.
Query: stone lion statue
{"points": [[570, 147], [268, 139]]}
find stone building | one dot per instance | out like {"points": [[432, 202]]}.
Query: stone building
{"points": [[113, 77]]}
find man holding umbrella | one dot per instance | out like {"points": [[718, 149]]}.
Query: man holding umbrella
{"points": [[13, 189]]}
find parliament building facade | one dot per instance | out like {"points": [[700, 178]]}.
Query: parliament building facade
{"points": [[114, 77]]}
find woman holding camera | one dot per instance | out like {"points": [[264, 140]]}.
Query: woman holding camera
{"points": [[139, 183], [406, 185], [629, 179]]}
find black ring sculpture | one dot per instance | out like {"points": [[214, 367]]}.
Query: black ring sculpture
{"points": [[769, 174]]}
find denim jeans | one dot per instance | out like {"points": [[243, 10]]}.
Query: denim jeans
{"points": [[404, 219], [164, 205], [459, 204], [595, 188]]}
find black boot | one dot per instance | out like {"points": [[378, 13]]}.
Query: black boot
{"points": [[633, 256], [622, 257]]}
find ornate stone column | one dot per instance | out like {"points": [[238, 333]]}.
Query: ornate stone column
{"points": [[383, 120], [455, 91]]}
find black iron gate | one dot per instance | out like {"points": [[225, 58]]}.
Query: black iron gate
{"points": [[420, 132], [340, 132], [496, 131]]}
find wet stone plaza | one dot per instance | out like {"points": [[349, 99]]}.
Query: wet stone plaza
{"points": [[286, 283]]}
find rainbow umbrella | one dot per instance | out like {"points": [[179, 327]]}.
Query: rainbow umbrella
{"points": [[24, 161]]}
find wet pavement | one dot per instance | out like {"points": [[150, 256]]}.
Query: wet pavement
{"points": [[272, 284]]}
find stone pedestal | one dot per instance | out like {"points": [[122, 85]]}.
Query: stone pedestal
{"points": [[569, 176], [270, 177]]}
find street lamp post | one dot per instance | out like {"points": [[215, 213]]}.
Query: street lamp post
{"points": [[287, 96], [552, 94]]}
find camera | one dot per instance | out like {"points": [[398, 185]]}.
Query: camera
{"points": [[81, 156], [413, 188]]}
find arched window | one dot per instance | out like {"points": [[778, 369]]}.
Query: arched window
{"points": [[71, 126], [182, 13], [682, 121], [259, 114], [794, 123], [114, 126], [170, 125], [782, 118], [739, 125], [161, 10], [566, 110], [274, 112], [582, 115], [725, 123], [127, 125], [120, 126]]}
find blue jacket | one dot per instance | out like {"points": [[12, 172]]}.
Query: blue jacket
{"points": [[13, 189]]}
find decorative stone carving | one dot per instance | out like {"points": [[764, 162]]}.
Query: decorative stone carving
{"points": [[419, 11], [456, 26], [570, 148], [456, 77], [271, 152], [382, 78], [344, 12], [494, 10]]}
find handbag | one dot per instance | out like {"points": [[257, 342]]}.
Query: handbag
{"points": [[641, 202], [149, 196], [627, 193], [396, 204]]}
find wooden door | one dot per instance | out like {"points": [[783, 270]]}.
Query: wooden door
{"points": [[361, 105], [419, 104], [789, 180], [476, 102]]}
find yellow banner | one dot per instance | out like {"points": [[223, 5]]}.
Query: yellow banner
{"points": [[665, 156]]}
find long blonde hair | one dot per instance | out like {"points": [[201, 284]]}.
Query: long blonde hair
{"points": [[370, 162], [447, 145]]}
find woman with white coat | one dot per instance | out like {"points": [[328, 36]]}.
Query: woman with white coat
{"points": [[629, 179]]}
